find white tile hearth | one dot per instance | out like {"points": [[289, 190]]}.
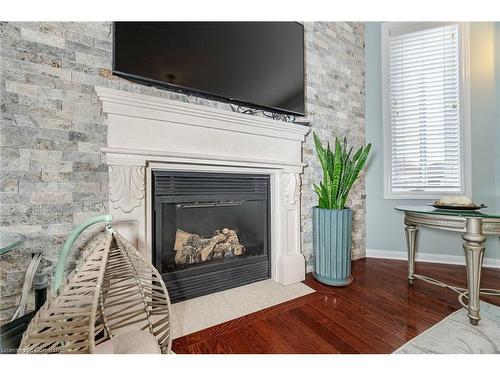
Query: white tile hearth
{"points": [[174, 324], [262, 294], [203, 312]]}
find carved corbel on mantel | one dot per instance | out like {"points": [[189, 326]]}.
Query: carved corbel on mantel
{"points": [[126, 190], [291, 188]]}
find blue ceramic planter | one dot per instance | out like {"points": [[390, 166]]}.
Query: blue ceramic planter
{"points": [[332, 231]]}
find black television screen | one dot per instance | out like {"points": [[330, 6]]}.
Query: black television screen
{"points": [[259, 64]]}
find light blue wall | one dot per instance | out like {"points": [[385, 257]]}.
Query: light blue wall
{"points": [[497, 66], [384, 227]]}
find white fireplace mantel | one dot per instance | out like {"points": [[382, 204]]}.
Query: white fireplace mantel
{"points": [[147, 133]]}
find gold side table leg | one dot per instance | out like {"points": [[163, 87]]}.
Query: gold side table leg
{"points": [[411, 245], [474, 251]]}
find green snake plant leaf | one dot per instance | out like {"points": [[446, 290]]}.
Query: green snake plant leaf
{"points": [[322, 195], [330, 160], [337, 172], [321, 152], [358, 166], [357, 154], [360, 163], [319, 192], [345, 188], [346, 172]]}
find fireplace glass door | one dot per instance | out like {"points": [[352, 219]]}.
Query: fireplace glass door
{"points": [[211, 231]]}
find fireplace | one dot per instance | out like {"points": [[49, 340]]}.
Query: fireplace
{"points": [[210, 230], [148, 135]]}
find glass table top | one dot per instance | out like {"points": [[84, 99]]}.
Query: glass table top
{"points": [[483, 212], [9, 241]]}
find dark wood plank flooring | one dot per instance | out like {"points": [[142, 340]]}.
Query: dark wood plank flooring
{"points": [[377, 313]]}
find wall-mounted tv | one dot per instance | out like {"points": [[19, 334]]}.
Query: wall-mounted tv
{"points": [[258, 64]]}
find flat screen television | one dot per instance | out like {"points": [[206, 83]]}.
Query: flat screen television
{"points": [[257, 64]]}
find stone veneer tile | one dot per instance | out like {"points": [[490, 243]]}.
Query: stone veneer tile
{"points": [[52, 128]]}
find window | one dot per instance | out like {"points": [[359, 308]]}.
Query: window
{"points": [[426, 109]]}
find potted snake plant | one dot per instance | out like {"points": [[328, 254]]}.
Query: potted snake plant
{"points": [[332, 220]]}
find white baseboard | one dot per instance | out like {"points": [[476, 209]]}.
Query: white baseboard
{"points": [[428, 257]]}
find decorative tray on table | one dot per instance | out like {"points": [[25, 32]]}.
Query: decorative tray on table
{"points": [[456, 203], [458, 208]]}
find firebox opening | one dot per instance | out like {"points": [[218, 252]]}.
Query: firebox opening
{"points": [[211, 230]]}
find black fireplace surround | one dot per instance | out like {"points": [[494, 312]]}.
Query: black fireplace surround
{"points": [[202, 205]]}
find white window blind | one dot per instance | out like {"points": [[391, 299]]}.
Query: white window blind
{"points": [[425, 129]]}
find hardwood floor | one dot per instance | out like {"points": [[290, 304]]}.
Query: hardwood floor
{"points": [[377, 313]]}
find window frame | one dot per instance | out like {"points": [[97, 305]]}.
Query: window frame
{"points": [[465, 114]]}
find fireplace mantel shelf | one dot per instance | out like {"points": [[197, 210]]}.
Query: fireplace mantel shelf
{"points": [[187, 158], [155, 108], [148, 133]]}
